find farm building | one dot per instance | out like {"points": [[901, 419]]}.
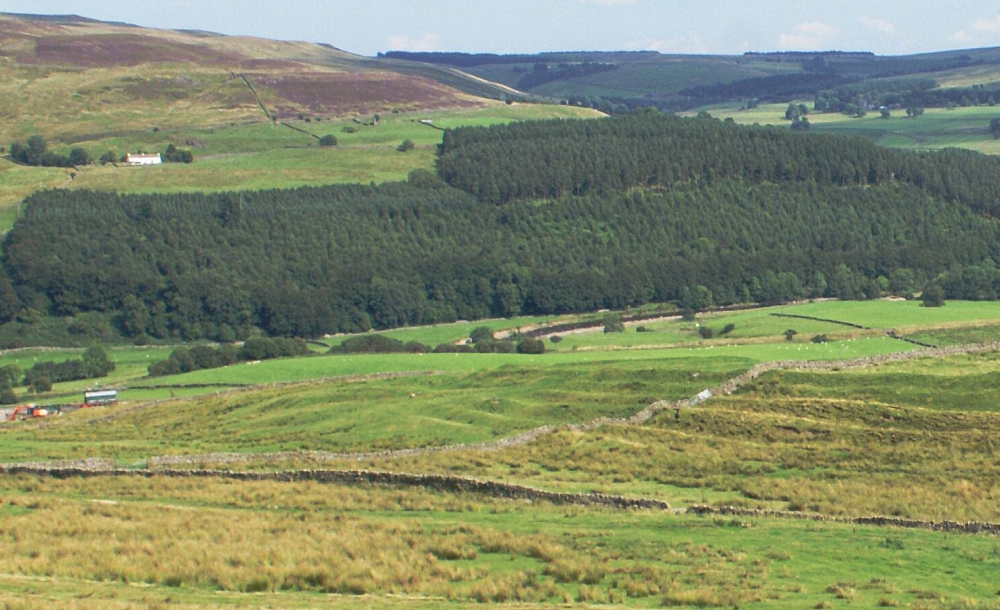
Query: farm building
{"points": [[140, 159]]}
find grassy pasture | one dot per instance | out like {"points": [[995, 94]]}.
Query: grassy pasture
{"points": [[466, 398], [959, 384], [260, 171], [758, 336], [285, 371], [901, 315], [17, 182], [259, 154], [480, 398], [413, 411], [755, 326], [853, 442], [936, 128], [751, 326], [960, 335]]}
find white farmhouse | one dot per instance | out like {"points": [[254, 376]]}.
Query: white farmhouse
{"points": [[138, 159]]}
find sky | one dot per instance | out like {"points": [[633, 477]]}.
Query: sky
{"points": [[366, 27]]}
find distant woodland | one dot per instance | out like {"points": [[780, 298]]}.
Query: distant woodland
{"points": [[530, 218]]}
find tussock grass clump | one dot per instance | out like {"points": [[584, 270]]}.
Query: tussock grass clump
{"points": [[698, 598], [567, 570], [924, 594], [453, 547], [516, 587], [640, 588], [842, 590]]}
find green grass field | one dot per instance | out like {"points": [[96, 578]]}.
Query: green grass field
{"points": [[267, 155], [443, 399], [319, 367], [259, 154], [364, 415], [17, 182], [758, 336], [936, 128], [911, 439]]}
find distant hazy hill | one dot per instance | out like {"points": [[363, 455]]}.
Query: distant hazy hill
{"points": [[676, 82], [75, 79]]}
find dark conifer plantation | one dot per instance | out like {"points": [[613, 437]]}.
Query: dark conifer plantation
{"points": [[539, 218]]}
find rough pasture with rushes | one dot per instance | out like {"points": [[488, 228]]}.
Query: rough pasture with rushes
{"points": [[847, 441], [107, 542], [831, 456]]}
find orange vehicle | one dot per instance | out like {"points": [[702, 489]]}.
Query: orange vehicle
{"points": [[22, 412]]}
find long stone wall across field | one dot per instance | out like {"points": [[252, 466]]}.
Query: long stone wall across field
{"points": [[158, 466], [494, 489], [890, 333], [434, 482], [957, 527]]}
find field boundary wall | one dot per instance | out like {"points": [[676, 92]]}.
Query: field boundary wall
{"points": [[433, 482]]}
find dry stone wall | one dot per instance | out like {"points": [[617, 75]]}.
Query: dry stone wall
{"points": [[957, 527], [159, 466], [444, 483], [494, 489]]}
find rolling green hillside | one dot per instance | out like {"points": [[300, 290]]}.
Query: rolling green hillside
{"points": [[652, 449], [251, 111]]}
